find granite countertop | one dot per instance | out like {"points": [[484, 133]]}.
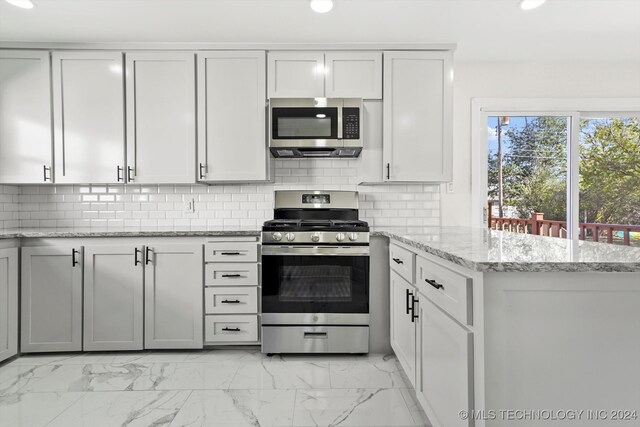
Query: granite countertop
{"points": [[121, 232], [486, 250], [477, 249]]}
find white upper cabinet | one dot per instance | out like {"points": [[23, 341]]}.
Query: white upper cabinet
{"points": [[88, 105], [232, 139], [296, 74], [161, 134], [325, 74], [353, 75], [417, 116], [25, 117]]}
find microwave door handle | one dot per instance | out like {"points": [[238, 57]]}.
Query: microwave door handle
{"points": [[339, 123]]}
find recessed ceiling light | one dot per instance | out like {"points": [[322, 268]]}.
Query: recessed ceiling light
{"points": [[530, 4], [25, 4], [321, 6]]}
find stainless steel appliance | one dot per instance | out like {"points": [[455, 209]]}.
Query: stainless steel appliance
{"points": [[315, 127], [315, 274]]}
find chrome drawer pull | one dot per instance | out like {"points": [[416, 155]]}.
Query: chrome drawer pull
{"points": [[434, 284], [398, 260], [231, 329], [232, 275], [234, 301], [315, 335], [229, 253]]}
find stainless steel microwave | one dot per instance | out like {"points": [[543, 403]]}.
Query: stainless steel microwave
{"points": [[315, 127]]}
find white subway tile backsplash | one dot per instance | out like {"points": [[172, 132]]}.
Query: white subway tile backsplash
{"points": [[243, 206]]}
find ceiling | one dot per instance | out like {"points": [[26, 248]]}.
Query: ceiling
{"points": [[486, 30]]}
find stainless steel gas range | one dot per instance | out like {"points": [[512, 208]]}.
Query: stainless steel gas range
{"points": [[315, 274]]}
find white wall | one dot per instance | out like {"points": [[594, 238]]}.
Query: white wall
{"points": [[522, 80]]}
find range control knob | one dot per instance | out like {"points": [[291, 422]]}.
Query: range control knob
{"points": [[315, 237], [340, 237], [276, 236], [290, 236], [353, 236]]}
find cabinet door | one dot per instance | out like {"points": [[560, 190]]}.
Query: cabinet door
{"points": [[88, 111], [8, 303], [173, 296], [296, 75], [417, 116], [353, 75], [446, 353], [161, 133], [232, 144], [113, 297], [25, 117], [403, 330], [51, 299]]}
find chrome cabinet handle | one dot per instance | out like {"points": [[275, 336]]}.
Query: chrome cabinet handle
{"points": [[202, 174], [434, 284], [231, 329], [232, 275], [148, 254], [119, 171], [409, 294], [45, 169], [136, 261], [398, 260], [229, 253], [388, 170], [130, 170], [234, 301]]}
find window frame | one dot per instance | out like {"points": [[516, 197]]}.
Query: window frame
{"points": [[575, 108]]}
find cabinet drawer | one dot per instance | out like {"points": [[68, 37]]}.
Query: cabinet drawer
{"points": [[402, 261], [231, 300], [224, 274], [449, 290], [231, 328], [231, 252]]}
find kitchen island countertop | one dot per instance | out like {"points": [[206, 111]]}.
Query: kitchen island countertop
{"points": [[485, 250]]}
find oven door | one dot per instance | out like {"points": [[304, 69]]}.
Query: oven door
{"points": [[314, 280], [300, 126]]}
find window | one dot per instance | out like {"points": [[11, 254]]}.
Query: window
{"points": [[561, 168]]}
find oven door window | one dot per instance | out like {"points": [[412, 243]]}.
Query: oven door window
{"points": [[304, 123], [315, 284]]}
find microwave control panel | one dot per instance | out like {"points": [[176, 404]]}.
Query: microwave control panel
{"points": [[351, 123]]}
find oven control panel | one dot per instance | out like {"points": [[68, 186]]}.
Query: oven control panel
{"points": [[316, 199], [308, 237]]}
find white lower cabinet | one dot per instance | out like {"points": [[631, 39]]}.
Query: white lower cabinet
{"points": [[232, 290], [173, 296], [51, 296], [433, 345], [8, 303], [231, 329], [113, 298], [446, 370], [403, 329], [230, 299]]}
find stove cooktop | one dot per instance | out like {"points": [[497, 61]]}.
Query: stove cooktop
{"points": [[315, 225]]}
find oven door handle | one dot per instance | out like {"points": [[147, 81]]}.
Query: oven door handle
{"points": [[315, 250]]}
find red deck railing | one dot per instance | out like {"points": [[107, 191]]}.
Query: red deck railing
{"points": [[611, 233]]}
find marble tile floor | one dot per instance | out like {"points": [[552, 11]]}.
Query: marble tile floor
{"points": [[218, 388]]}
